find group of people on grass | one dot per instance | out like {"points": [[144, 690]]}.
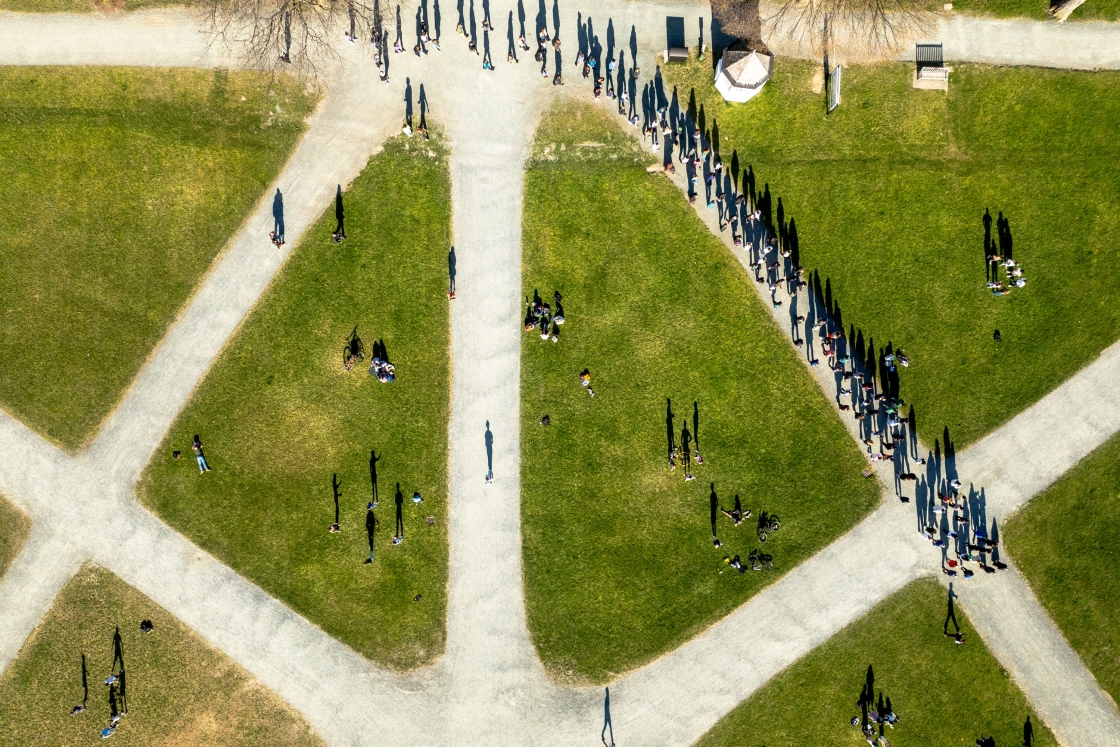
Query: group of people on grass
{"points": [[874, 717], [541, 316], [115, 682]]}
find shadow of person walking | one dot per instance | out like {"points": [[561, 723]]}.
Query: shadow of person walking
{"points": [[489, 438], [608, 728], [277, 234], [398, 500]]}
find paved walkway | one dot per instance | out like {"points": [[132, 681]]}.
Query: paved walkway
{"points": [[489, 688]]}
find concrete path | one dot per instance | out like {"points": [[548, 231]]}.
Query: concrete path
{"points": [[489, 688]]}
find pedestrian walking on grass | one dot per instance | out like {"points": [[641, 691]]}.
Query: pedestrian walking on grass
{"points": [[201, 457], [952, 616], [713, 504], [398, 537], [371, 527]]}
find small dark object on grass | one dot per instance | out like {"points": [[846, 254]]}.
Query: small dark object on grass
{"points": [[997, 336], [334, 528], [431, 521], [417, 597], [545, 420], [146, 626], [77, 709], [176, 454]]}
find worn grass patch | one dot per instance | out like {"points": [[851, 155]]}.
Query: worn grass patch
{"points": [[280, 418], [180, 690], [888, 194], [619, 562], [1064, 542], [118, 186], [941, 692]]}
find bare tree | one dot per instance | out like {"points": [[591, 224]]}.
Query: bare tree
{"points": [[295, 35], [860, 28]]}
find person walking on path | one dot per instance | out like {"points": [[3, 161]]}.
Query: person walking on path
{"points": [[197, 446], [952, 616], [340, 230], [277, 234]]}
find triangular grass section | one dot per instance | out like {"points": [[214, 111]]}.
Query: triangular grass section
{"points": [[180, 690], [281, 420], [942, 693], [14, 528], [1080, 589], [619, 560], [888, 194], [118, 187]]}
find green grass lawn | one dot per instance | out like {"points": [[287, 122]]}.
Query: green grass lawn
{"points": [[180, 690], [14, 528], [888, 195], [1092, 10], [619, 562], [118, 186], [943, 694], [1064, 542], [279, 418]]}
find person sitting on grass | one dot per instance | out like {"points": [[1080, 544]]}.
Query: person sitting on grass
{"points": [[585, 380], [736, 514]]}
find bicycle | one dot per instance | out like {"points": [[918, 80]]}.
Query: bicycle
{"points": [[767, 523], [760, 561], [353, 352]]}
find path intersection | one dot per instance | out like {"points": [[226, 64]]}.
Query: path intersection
{"points": [[489, 687]]}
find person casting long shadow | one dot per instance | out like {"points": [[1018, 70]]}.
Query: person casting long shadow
{"points": [[339, 216], [951, 615], [489, 454], [408, 102], [335, 485], [371, 527], [607, 726], [374, 458], [713, 502], [696, 431], [85, 690], [451, 262], [398, 499], [670, 434], [277, 234]]}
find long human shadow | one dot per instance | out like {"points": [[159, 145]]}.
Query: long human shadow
{"points": [[670, 434], [489, 438], [374, 458], [608, 727], [408, 101], [451, 270], [398, 501], [278, 214]]}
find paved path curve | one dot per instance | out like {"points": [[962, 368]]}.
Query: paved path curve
{"points": [[1084, 45], [489, 688]]}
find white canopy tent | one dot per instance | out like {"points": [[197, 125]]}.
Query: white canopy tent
{"points": [[741, 74]]}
